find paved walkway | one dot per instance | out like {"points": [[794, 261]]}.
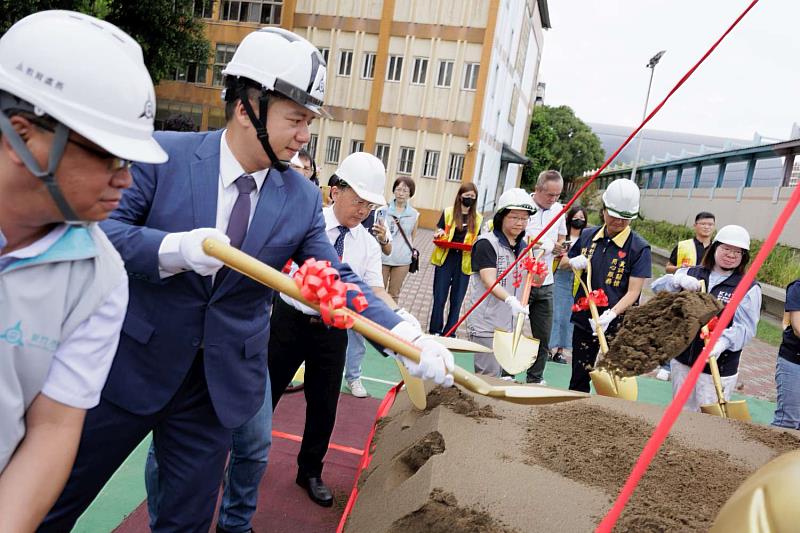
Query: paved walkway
{"points": [[756, 370]]}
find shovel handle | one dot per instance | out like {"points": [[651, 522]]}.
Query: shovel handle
{"points": [[265, 274]]}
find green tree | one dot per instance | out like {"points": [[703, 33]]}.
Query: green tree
{"points": [[167, 30], [560, 140]]}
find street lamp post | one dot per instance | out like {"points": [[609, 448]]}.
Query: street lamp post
{"points": [[652, 66]]}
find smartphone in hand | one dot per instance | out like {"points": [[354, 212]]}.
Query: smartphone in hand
{"points": [[380, 218]]}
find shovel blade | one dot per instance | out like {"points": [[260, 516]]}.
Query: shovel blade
{"points": [[535, 394], [615, 387], [514, 359], [460, 345], [736, 410], [415, 388]]}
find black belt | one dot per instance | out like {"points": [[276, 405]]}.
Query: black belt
{"points": [[313, 320]]}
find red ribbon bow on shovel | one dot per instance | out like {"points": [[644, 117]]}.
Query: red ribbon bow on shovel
{"points": [[711, 325], [535, 268], [321, 284], [598, 296]]}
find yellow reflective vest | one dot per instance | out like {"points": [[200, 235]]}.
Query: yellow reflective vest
{"points": [[440, 254], [687, 254]]}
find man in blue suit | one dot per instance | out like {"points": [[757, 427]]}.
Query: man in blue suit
{"points": [[192, 358]]}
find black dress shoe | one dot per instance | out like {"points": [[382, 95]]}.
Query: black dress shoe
{"points": [[317, 490], [221, 529], [559, 358]]}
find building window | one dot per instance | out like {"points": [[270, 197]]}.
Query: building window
{"points": [[203, 8], [471, 76], [326, 52], [356, 146], [382, 153], [512, 112], [224, 53], [311, 147], [420, 75], [431, 167], [332, 153], [191, 73], [345, 62], [406, 160], [168, 108], [368, 67], [456, 167], [258, 11], [395, 70], [216, 118], [445, 77]]}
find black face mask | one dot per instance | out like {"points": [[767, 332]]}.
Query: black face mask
{"points": [[467, 202], [577, 223]]}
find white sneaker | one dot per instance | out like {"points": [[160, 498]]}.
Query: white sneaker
{"points": [[662, 374], [357, 388]]}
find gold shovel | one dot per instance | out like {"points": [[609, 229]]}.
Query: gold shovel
{"points": [[514, 351], [255, 269], [605, 383], [726, 409]]}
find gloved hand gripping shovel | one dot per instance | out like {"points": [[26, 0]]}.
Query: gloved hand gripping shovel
{"points": [[252, 268]]}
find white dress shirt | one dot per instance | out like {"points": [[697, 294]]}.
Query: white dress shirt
{"points": [[82, 361], [361, 252], [170, 260], [537, 222]]}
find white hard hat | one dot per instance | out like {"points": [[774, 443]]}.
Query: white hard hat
{"points": [[734, 235], [621, 199], [515, 199], [283, 62], [85, 73], [366, 175]]}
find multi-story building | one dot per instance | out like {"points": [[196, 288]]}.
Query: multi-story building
{"points": [[440, 90]]}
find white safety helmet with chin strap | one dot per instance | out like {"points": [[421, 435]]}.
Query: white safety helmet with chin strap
{"points": [[621, 199], [86, 74], [515, 199], [366, 175], [278, 61], [733, 235]]}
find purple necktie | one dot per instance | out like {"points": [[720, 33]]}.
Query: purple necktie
{"points": [[240, 217]]}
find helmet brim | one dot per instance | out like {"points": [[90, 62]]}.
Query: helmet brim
{"points": [[137, 150], [622, 215]]}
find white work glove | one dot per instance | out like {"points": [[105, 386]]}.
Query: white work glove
{"points": [[604, 320], [721, 345], [408, 317], [682, 280], [436, 362], [545, 244], [579, 263], [516, 306], [191, 248]]}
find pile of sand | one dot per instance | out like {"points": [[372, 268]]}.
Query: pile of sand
{"points": [[550, 468], [654, 333]]}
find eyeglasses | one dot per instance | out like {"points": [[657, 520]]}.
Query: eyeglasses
{"points": [[731, 251], [518, 220], [363, 204], [115, 163]]}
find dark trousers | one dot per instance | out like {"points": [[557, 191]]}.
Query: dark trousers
{"points": [[541, 315], [584, 353], [190, 445], [295, 338], [448, 279]]}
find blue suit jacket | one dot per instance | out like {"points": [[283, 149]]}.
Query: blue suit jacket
{"points": [[168, 320]]}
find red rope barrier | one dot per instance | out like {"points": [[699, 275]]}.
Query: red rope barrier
{"points": [[674, 408], [601, 169], [383, 410]]}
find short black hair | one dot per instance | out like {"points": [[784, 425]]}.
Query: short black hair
{"points": [[179, 122], [704, 214], [254, 91]]}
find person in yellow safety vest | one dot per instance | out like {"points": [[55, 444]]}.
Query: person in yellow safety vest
{"points": [[457, 229], [689, 253]]}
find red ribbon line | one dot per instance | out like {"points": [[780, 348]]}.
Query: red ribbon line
{"points": [[321, 284]]}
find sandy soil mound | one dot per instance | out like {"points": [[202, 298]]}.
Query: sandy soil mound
{"points": [[551, 468], [654, 333]]}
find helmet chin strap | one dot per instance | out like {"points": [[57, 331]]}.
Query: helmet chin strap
{"points": [[47, 176], [260, 124]]}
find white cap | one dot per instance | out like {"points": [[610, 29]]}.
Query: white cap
{"points": [[734, 235], [88, 75], [515, 199], [621, 199], [366, 175]]}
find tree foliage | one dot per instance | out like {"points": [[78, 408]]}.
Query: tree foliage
{"points": [[167, 30], [560, 140]]}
